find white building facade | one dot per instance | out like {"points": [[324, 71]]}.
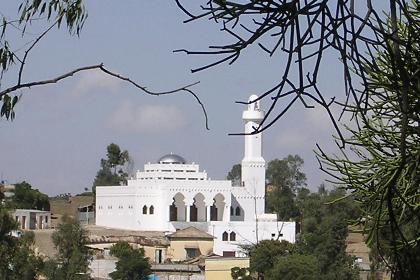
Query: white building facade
{"points": [[173, 194]]}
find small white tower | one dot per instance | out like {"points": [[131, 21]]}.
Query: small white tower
{"points": [[253, 164]]}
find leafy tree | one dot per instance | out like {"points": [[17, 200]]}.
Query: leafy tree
{"points": [[235, 175], [324, 232], [18, 261], [114, 169], [27, 198], [240, 273], [380, 165], [72, 261], [264, 253], [295, 267], [320, 247], [285, 176], [7, 242], [25, 264], [131, 265]]}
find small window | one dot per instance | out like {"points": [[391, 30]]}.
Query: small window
{"points": [[237, 211], [232, 236], [273, 235], [144, 209], [192, 253], [231, 210], [151, 210], [225, 236]]}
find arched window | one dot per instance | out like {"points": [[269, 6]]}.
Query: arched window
{"points": [[225, 236], [231, 211], [151, 210], [237, 211], [144, 209], [232, 236]]}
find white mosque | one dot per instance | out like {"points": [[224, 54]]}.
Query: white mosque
{"points": [[173, 194]]}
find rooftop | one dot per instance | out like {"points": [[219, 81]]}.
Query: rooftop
{"points": [[191, 232]]}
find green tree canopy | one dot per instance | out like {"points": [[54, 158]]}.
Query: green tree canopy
{"points": [[284, 177], [324, 231], [319, 252], [131, 264], [17, 260], [295, 267], [27, 198], [114, 169], [264, 253], [235, 175], [380, 164], [72, 261]]}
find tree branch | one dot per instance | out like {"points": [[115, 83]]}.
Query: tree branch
{"points": [[186, 89]]}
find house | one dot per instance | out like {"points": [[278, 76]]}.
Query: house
{"points": [[30, 219], [189, 243]]}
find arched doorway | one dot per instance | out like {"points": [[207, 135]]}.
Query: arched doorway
{"points": [[217, 209], [198, 209], [177, 209]]}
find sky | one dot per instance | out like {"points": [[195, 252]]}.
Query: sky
{"points": [[61, 131]]}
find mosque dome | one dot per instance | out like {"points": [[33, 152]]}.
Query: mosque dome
{"points": [[172, 158]]}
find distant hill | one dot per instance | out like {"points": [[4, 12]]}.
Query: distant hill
{"points": [[67, 206]]}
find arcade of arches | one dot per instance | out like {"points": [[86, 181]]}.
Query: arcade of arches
{"points": [[197, 210]]}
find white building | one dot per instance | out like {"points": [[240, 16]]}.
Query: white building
{"points": [[30, 219], [173, 194]]}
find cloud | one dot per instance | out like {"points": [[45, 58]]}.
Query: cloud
{"points": [[313, 126], [147, 118], [92, 81]]}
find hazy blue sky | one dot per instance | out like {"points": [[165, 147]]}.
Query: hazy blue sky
{"points": [[61, 131]]}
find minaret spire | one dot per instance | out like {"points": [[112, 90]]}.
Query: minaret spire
{"points": [[253, 163]]}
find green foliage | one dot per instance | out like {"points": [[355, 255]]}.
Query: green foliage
{"points": [[71, 12], [7, 243], [114, 169], [264, 253], [235, 175], [284, 177], [286, 172], [319, 252], [72, 261], [295, 267], [120, 249], [27, 198], [324, 231], [380, 164], [131, 265], [25, 265], [18, 261], [240, 273]]}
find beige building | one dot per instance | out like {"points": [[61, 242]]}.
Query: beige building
{"points": [[30, 219], [219, 268], [189, 243]]}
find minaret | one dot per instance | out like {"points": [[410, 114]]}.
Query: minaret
{"points": [[253, 164]]}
